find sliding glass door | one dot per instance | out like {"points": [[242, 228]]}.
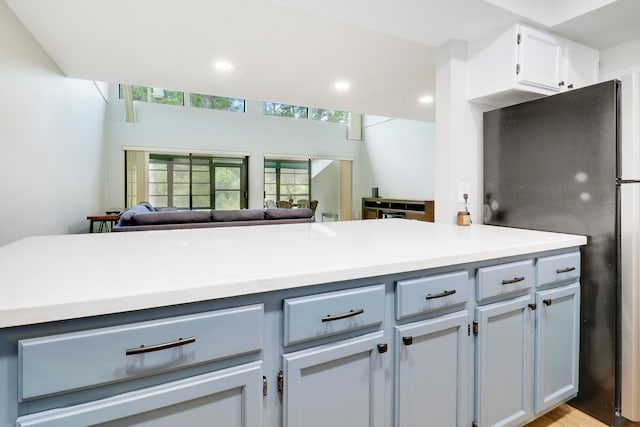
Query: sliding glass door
{"points": [[287, 180]]}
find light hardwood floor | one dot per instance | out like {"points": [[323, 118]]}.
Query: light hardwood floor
{"points": [[567, 416]]}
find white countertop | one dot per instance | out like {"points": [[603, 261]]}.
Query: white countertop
{"points": [[49, 278]]}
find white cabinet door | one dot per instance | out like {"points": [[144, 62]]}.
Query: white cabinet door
{"points": [[230, 397], [557, 345], [504, 350], [580, 65], [539, 59], [339, 384], [432, 378]]}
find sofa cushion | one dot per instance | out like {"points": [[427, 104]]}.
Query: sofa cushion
{"points": [[142, 208], [288, 213], [237, 215], [172, 217]]}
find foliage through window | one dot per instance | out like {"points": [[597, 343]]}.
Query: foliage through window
{"points": [[156, 95], [217, 102], [193, 181], [284, 110], [335, 116], [287, 180]]}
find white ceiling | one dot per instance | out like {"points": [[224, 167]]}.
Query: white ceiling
{"points": [[291, 51]]}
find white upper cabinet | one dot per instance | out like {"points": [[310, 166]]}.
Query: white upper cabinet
{"points": [[523, 63], [539, 60], [580, 65]]}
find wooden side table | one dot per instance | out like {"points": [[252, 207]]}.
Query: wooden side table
{"points": [[105, 222]]}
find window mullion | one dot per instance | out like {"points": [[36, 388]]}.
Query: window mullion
{"points": [[212, 184], [190, 181], [169, 184]]}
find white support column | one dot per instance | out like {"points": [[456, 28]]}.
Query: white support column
{"points": [[458, 136]]}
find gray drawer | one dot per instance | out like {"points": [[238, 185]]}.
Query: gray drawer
{"points": [[504, 279], [426, 294], [558, 268], [75, 360], [317, 316]]}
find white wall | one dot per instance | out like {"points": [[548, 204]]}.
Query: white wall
{"points": [[398, 157], [51, 130], [258, 135], [458, 136], [252, 133], [619, 60], [325, 188]]}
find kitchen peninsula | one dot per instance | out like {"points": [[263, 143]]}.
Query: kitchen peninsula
{"points": [[271, 325]]}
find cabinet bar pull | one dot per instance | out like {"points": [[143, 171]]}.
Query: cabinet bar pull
{"points": [[351, 313], [158, 347], [264, 386], [280, 379], [441, 294], [565, 270], [533, 306], [547, 301], [407, 340], [512, 281], [382, 348]]}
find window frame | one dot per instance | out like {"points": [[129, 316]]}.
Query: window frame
{"points": [[280, 195], [211, 161]]}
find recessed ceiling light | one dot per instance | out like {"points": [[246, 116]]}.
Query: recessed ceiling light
{"points": [[427, 99], [223, 66], [342, 85]]}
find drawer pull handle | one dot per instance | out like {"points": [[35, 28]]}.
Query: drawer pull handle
{"points": [[158, 347], [351, 313], [547, 301], [441, 294], [512, 281], [407, 340], [565, 270]]}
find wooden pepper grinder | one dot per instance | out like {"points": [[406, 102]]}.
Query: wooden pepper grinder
{"points": [[464, 217]]}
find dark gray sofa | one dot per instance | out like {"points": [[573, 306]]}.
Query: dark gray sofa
{"points": [[144, 217]]}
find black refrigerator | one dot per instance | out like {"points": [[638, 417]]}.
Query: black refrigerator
{"points": [[554, 164]]}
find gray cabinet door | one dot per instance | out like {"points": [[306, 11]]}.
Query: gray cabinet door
{"points": [[230, 397], [557, 346], [432, 372], [338, 384], [504, 368]]}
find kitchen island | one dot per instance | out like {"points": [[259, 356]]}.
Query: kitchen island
{"points": [[272, 325]]}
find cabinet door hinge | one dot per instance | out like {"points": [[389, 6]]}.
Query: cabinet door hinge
{"points": [[264, 386], [475, 328], [468, 329], [280, 382], [517, 69], [519, 38]]}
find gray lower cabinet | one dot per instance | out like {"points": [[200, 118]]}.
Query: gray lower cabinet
{"points": [[337, 384], [504, 357], [406, 350], [230, 394], [229, 397], [557, 341], [432, 372], [527, 345]]}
